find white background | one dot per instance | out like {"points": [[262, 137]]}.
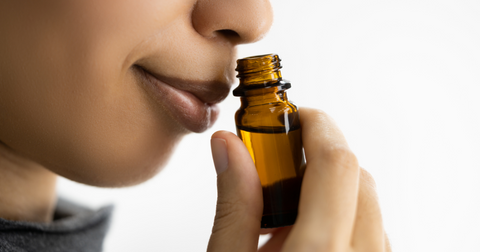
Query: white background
{"points": [[401, 78]]}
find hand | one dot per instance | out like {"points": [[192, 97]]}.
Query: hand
{"points": [[338, 208]]}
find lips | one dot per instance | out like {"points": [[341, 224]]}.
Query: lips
{"points": [[191, 103]]}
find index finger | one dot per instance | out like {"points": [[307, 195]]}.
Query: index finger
{"points": [[328, 199]]}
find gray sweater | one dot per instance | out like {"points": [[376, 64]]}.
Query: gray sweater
{"points": [[73, 229]]}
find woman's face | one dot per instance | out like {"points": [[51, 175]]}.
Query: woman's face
{"points": [[100, 92]]}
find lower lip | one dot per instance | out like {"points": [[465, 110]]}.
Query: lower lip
{"points": [[184, 107]]}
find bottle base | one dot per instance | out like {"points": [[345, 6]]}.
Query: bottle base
{"points": [[278, 220]]}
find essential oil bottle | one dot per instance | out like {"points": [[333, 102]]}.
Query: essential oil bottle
{"points": [[269, 126]]}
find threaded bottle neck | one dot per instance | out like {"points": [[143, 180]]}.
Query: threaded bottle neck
{"points": [[259, 69], [259, 72]]}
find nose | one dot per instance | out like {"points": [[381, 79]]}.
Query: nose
{"points": [[239, 21]]}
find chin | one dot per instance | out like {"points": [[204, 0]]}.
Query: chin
{"points": [[115, 165], [116, 173]]}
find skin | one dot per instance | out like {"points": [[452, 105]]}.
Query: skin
{"points": [[71, 100], [73, 103], [338, 209]]}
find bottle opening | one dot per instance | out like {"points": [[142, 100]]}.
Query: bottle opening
{"points": [[259, 72], [258, 64]]}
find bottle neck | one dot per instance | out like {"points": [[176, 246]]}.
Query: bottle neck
{"points": [[263, 96], [259, 72], [261, 77]]}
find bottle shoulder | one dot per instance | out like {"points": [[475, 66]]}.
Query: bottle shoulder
{"points": [[283, 114]]}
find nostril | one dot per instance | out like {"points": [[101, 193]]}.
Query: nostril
{"points": [[233, 21], [229, 34]]}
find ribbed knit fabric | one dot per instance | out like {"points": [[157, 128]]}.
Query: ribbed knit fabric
{"points": [[74, 229]]}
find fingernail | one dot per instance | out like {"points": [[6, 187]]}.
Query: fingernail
{"points": [[220, 155]]}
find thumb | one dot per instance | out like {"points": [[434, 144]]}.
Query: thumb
{"points": [[240, 202]]}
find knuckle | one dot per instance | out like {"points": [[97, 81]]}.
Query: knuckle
{"points": [[367, 197], [319, 118], [367, 178], [319, 113], [342, 157]]}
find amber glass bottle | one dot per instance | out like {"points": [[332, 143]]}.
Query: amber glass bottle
{"points": [[269, 126]]}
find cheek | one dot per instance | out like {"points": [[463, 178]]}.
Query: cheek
{"points": [[72, 102], [98, 128], [117, 136]]}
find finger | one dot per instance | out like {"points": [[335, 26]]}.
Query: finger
{"points": [[368, 233], [388, 247], [330, 187], [275, 243], [240, 202]]}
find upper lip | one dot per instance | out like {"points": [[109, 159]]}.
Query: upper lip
{"points": [[209, 92]]}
